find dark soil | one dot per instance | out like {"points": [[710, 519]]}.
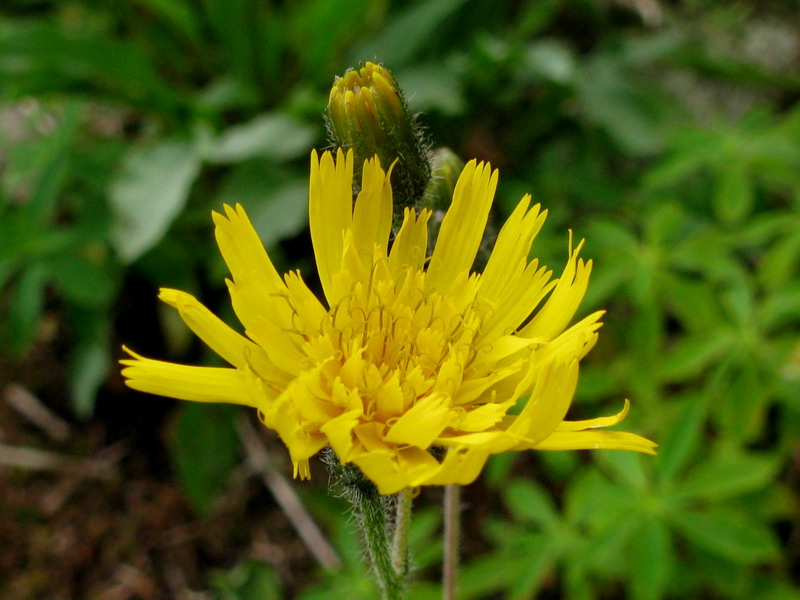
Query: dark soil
{"points": [[110, 523]]}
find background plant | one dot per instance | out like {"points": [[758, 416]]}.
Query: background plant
{"points": [[666, 134]]}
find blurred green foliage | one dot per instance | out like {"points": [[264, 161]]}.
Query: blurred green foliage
{"points": [[667, 134]]}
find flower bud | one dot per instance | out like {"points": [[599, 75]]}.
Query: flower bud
{"points": [[447, 167], [368, 113]]}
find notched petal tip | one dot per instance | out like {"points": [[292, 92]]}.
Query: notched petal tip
{"points": [[134, 357]]}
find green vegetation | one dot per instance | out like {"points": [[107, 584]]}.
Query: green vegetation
{"points": [[667, 135]]}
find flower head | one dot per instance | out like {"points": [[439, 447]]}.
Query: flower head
{"points": [[414, 368]]}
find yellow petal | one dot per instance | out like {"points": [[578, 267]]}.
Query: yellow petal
{"points": [[339, 432], [410, 247], [491, 442], [330, 212], [394, 472], [575, 342], [278, 345], [562, 304], [518, 300], [282, 416], [389, 399], [257, 291], [242, 249], [484, 417], [233, 347], [422, 423], [462, 228], [184, 382], [372, 215], [461, 466], [371, 437], [311, 315], [597, 422], [510, 252], [549, 401], [595, 439]]}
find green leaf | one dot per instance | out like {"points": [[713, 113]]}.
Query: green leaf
{"points": [[47, 190], [728, 475], [592, 498], [694, 303], [541, 560], [625, 467], [631, 112], [26, 307], [771, 589], [711, 572], [432, 86], [276, 201], [528, 502], [283, 215], [663, 224], [88, 366], [735, 536], [652, 561], [577, 585], [248, 580], [779, 264], [692, 149], [734, 194], [149, 193], [180, 14], [87, 281], [408, 32], [272, 135], [425, 524], [42, 166], [550, 60], [690, 355], [742, 412], [318, 33], [683, 438], [614, 237], [205, 449], [535, 17], [780, 309], [738, 300], [233, 25], [606, 549], [498, 571], [38, 58], [7, 269], [497, 472]]}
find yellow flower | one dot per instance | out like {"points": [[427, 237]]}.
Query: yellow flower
{"points": [[416, 370]]}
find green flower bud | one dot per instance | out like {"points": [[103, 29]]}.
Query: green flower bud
{"points": [[447, 167], [368, 113]]}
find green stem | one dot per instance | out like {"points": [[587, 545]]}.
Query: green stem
{"points": [[452, 534], [401, 523], [371, 509]]}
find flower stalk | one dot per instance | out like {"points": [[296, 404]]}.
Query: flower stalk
{"points": [[379, 533], [371, 511], [402, 522], [452, 540]]}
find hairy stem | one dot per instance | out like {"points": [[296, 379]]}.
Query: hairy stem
{"points": [[372, 510]]}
